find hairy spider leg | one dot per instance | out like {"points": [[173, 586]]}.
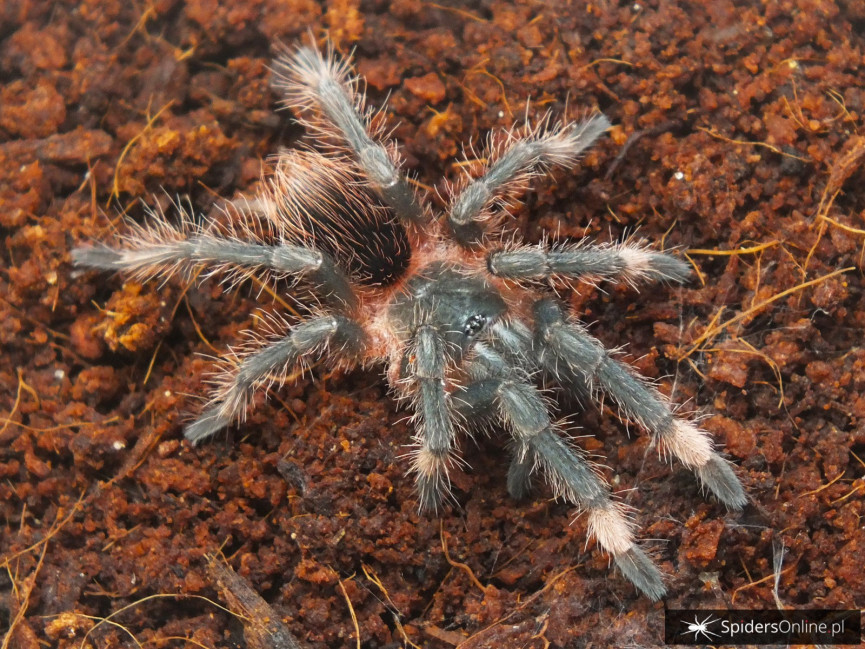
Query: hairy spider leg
{"points": [[475, 403], [163, 249], [335, 335], [629, 261], [425, 367], [509, 168], [560, 342], [496, 384], [332, 105]]}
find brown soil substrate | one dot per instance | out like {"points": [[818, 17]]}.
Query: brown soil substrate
{"points": [[738, 138]]}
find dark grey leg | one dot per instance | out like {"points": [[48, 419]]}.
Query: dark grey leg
{"points": [[629, 262], [425, 377], [327, 86], [336, 335], [163, 250], [476, 403], [470, 209], [539, 445], [561, 343]]}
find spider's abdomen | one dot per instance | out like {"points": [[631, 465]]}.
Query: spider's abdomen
{"points": [[322, 202]]}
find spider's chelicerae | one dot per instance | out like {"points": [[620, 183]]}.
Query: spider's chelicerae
{"points": [[464, 319]]}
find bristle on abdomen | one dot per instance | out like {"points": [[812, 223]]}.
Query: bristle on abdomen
{"points": [[321, 202]]}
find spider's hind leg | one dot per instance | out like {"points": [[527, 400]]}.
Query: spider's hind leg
{"points": [[325, 88]]}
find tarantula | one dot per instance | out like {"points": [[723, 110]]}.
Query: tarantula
{"points": [[464, 319]]}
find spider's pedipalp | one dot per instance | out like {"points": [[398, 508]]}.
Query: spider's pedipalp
{"points": [[327, 92], [476, 402], [562, 343], [426, 369], [337, 335], [513, 340], [511, 167], [630, 262]]}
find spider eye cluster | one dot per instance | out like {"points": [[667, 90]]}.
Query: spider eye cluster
{"points": [[475, 324]]}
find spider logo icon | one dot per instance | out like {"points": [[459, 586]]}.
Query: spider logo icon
{"points": [[697, 627]]}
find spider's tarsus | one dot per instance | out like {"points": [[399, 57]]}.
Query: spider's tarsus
{"points": [[653, 265], [432, 486], [520, 474], [718, 477], [209, 422], [641, 571], [101, 257], [582, 135]]}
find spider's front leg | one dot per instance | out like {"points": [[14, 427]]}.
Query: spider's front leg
{"points": [[339, 336], [561, 343], [500, 386]]}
